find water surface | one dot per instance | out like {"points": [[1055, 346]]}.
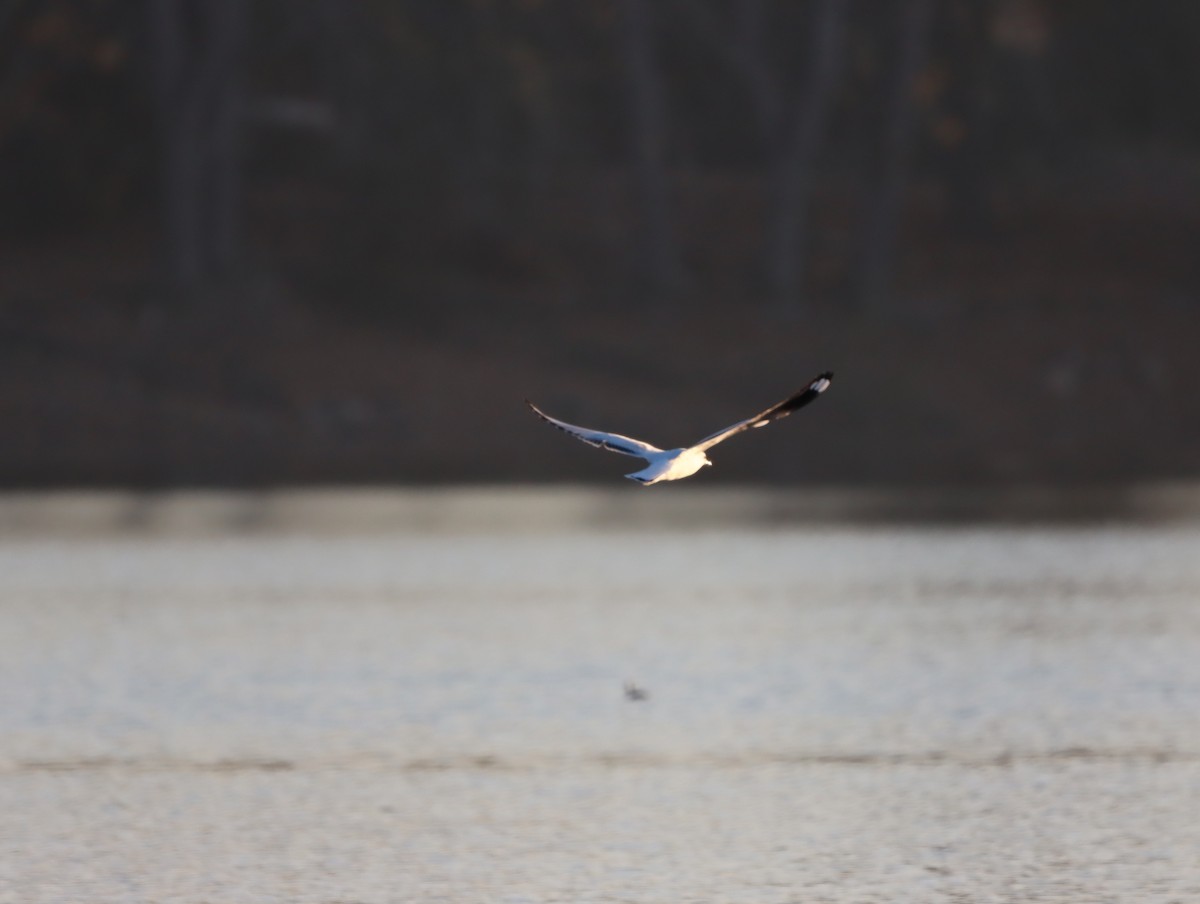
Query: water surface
{"points": [[834, 714]]}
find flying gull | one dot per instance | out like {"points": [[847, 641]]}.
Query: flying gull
{"points": [[675, 464]]}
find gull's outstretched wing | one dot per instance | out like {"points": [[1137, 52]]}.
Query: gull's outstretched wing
{"points": [[815, 387], [613, 442]]}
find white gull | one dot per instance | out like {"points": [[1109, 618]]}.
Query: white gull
{"points": [[675, 464]]}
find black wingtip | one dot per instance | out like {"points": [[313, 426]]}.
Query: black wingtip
{"points": [[809, 393], [819, 383]]}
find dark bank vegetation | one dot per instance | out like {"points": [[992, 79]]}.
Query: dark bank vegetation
{"points": [[253, 241]]}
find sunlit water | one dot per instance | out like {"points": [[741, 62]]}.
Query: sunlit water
{"points": [[832, 715]]}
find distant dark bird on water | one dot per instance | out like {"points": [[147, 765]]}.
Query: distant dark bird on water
{"points": [[674, 464], [633, 692]]}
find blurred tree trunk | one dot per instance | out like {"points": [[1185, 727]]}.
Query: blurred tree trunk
{"points": [[198, 91], [346, 76], [878, 244], [793, 170], [227, 111], [790, 143], [480, 165], [658, 252], [178, 191], [963, 135], [748, 55]]}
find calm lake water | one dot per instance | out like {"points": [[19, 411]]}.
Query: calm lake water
{"points": [[832, 714]]}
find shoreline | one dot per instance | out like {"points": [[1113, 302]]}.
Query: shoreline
{"points": [[531, 509]]}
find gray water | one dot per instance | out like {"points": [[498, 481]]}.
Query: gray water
{"points": [[833, 715]]}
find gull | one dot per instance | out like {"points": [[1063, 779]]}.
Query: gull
{"points": [[675, 464]]}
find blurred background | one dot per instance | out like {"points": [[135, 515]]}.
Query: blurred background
{"points": [[259, 258], [255, 242]]}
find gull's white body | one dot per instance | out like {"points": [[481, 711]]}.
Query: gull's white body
{"points": [[670, 464], [675, 464]]}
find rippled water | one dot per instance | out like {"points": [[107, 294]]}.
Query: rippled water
{"points": [[841, 715]]}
